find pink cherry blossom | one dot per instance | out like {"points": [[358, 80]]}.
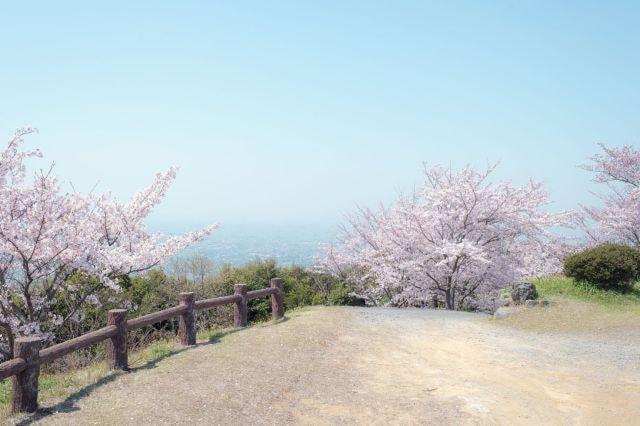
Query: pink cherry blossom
{"points": [[459, 238], [46, 235], [618, 219]]}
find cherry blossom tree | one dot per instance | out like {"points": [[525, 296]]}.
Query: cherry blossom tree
{"points": [[459, 239], [47, 235], [619, 218]]}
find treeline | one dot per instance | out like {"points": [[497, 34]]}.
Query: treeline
{"points": [[159, 289]]}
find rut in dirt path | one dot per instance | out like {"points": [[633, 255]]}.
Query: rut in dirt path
{"points": [[373, 366]]}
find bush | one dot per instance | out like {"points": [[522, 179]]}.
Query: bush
{"points": [[607, 266], [159, 289], [342, 294]]}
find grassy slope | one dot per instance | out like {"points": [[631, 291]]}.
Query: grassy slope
{"points": [[560, 287], [63, 385], [580, 308]]}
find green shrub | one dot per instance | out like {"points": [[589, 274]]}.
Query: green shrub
{"points": [[159, 289], [342, 294], [607, 266]]}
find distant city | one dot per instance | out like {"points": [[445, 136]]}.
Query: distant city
{"points": [[237, 244]]}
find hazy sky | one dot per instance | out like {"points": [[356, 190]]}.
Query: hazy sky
{"points": [[297, 110]]}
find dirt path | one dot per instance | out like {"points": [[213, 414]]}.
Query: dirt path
{"points": [[375, 366]]}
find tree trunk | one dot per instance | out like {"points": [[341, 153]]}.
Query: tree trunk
{"points": [[8, 334], [448, 299]]}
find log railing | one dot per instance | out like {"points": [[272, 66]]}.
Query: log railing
{"points": [[25, 366]]}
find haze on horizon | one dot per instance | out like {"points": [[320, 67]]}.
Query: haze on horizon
{"points": [[294, 112]]}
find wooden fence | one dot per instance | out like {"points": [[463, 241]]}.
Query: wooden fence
{"points": [[25, 366]]}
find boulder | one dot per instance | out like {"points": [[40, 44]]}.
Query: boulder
{"points": [[502, 313], [504, 299], [523, 292], [504, 302], [353, 299], [540, 303]]}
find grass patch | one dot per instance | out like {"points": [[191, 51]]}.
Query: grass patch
{"points": [[47, 385], [211, 335], [579, 308], [58, 386], [561, 287]]}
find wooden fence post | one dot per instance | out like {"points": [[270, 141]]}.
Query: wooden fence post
{"points": [[187, 329], [277, 299], [25, 383], [117, 345], [240, 306]]}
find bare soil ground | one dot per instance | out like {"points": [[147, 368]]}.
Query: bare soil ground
{"points": [[375, 366]]}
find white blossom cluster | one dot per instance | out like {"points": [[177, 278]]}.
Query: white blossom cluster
{"points": [[46, 235], [618, 219], [459, 238]]}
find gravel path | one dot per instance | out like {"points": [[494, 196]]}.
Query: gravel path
{"points": [[375, 366]]}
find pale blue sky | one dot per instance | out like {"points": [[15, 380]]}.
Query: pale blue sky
{"points": [[299, 110]]}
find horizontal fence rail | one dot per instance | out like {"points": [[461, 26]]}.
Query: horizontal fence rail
{"points": [[12, 367], [64, 348], [216, 301], [25, 366], [155, 317], [259, 293]]}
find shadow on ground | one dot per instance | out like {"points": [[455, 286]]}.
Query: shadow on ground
{"points": [[69, 404]]}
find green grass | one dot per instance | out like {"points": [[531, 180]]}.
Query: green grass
{"points": [[57, 386], [46, 384], [579, 308], [60, 385], [561, 287]]}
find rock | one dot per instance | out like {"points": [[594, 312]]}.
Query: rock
{"points": [[523, 292], [504, 299], [353, 299], [540, 303], [502, 313]]}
